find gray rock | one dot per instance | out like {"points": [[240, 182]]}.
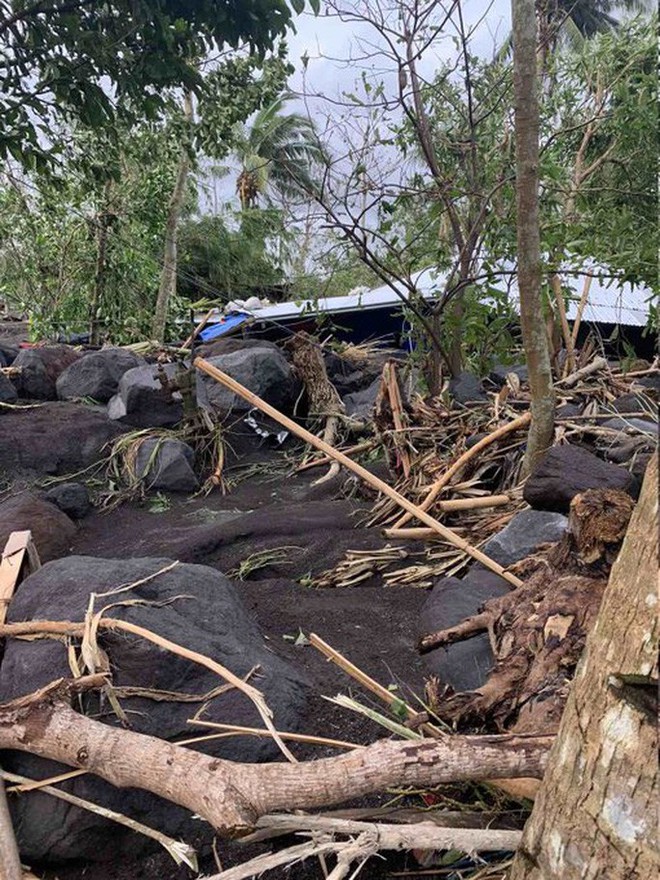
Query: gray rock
{"points": [[52, 531], [263, 370], [8, 393], [202, 611], [633, 403], [166, 464], [54, 438], [359, 404], [8, 351], [568, 410], [564, 471], [142, 401], [632, 425], [467, 388], [500, 371], [649, 383], [96, 374], [465, 665], [40, 368], [523, 534], [71, 498]]}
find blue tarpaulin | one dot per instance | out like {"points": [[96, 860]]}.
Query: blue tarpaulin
{"points": [[224, 325]]}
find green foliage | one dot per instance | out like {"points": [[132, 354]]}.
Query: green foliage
{"points": [[94, 63], [276, 151], [228, 257]]}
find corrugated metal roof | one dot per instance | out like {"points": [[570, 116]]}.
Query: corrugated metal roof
{"points": [[610, 300]]}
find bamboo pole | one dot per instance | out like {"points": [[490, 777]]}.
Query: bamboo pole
{"points": [[462, 460], [362, 472], [555, 282], [580, 309]]}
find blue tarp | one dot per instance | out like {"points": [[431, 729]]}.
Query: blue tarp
{"points": [[227, 323]]}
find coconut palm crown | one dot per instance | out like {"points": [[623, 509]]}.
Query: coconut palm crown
{"points": [[277, 152]]}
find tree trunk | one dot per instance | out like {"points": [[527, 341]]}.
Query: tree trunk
{"points": [[167, 286], [103, 223], [525, 82], [596, 812]]}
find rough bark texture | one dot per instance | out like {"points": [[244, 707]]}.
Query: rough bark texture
{"points": [[231, 796], [167, 285], [529, 252], [596, 812]]}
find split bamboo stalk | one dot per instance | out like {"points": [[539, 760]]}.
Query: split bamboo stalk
{"points": [[363, 473], [462, 460], [198, 329], [396, 405], [580, 309], [555, 282]]}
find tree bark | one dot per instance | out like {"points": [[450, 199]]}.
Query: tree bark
{"points": [[596, 812], [232, 796], [525, 81], [167, 287]]}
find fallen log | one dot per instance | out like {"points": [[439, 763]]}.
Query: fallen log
{"points": [[232, 796], [598, 363], [447, 534], [462, 460]]}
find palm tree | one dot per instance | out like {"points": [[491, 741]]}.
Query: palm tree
{"points": [[277, 151], [576, 20]]}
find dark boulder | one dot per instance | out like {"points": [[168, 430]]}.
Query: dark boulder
{"points": [[651, 384], [361, 403], [8, 392], [8, 351], [632, 425], [96, 374], [166, 464], [143, 402], [71, 498], [261, 369], [500, 371], [52, 531], [564, 471], [40, 369], [633, 403], [465, 665], [523, 534], [54, 438], [192, 605], [568, 410], [467, 388]]}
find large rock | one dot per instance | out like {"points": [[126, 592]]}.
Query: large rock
{"points": [[632, 425], [564, 471], [54, 438], [52, 531], [71, 498], [8, 351], [8, 393], [360, 404], [633, 403], [261, 369], [166, 464], [96, 375], [40, 369], [500, 371], [523, 534], [465, 665], [198, 608], [467, 388], [142, 401]]}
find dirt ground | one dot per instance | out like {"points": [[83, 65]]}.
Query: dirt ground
{"points": [[373, 625]]}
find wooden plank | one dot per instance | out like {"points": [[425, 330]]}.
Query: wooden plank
{"points": [[18, 549]]}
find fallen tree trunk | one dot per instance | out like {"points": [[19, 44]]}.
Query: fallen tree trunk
{"points": [[233, 796]]}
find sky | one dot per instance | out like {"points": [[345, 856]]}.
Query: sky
{"points": [[335, 50]]}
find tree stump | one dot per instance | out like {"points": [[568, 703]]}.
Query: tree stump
{"points": [[596, 812]]}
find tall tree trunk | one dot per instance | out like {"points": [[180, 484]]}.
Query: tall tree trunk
{"points": [[596, 812], [103, 223], [167, 287], [525, 83]]}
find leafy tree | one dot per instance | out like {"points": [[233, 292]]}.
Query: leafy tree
{"points": [[277, 151], [75, 60], [228, 259]]}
